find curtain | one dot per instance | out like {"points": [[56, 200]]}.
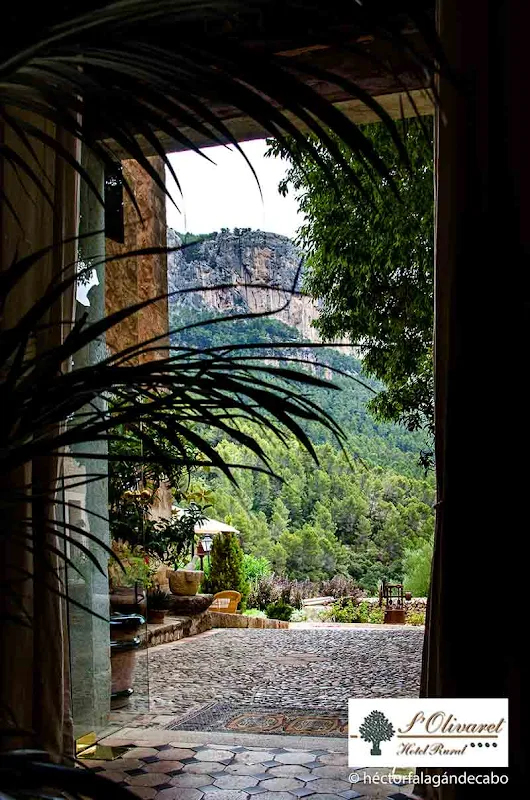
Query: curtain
{"points": [[473, 646], [34, 682]]}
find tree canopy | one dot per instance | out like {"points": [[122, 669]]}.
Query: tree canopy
{"points": [[370, 263]]}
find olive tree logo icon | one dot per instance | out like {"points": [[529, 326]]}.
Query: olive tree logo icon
{"points": [[376, 728]]}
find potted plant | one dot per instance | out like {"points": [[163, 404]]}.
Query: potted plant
{"points": [[157, 605], [128, 578]]}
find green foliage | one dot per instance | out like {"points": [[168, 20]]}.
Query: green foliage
{"points": [[321, 521], [370, 264], [157, 599], [255, 568], [226, 567], [279, 610], [417, 568], [416, 618], [350, 611], [255, 612], [131, 568]]}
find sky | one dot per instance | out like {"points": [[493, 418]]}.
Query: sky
{"points": [[225, 194]]}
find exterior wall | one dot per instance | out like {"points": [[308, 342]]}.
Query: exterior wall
{"points": [[137, 278]]}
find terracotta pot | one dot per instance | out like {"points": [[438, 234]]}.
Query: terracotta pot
{"points": [[185, 581], [156, 616], [128, 600]]}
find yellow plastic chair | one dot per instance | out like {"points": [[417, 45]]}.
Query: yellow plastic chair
{"points": [[225, 602]]}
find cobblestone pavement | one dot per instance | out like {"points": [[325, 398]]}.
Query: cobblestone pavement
{"points": [[184, 770], [313, 668]]}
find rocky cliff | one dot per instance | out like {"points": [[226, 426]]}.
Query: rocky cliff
{"points": [[261, 268]]}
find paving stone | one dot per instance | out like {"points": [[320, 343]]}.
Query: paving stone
{"points": [[204, 767], [176, 754], [149, 779], [145, 792], [214, 755], [140, 752], [256, 790], [187, 745], [116, 776], [281, 784], [163, 766], [179, 793], [289, 771], [327, 785], [338, 772], [274, 796], [246, 769], [192, 780], [118, 763], [350, 794], [235, 781], [303, 792], [253, 757], [340, 796], [334, 759], [297, 757], [222, 794]]}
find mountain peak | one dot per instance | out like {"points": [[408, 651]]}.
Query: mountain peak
{"points": [[242, 271]]}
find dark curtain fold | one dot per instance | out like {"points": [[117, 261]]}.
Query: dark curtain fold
{"points": [[35, 704], [474, 640]]}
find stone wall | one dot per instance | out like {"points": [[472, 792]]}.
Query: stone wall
{"points": [[137, 278], [175, 628]]}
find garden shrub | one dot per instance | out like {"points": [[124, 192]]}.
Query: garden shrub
{"points": [[280, 610], [271, 588], [416, 618], [350, 611], [226, 567], [417, 568], [255, 568]]}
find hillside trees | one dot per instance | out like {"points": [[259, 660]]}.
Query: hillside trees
{"points": [[318, 521], [370, 264]]}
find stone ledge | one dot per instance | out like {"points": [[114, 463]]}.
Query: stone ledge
{"points": [[220, 620], [175, 628]]}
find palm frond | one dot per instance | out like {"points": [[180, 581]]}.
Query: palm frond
{"points": [[132, 78]]}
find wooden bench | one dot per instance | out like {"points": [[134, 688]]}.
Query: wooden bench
{"points": [[225, 602]]}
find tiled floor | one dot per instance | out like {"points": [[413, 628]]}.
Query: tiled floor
{"points": [[219, 769]]}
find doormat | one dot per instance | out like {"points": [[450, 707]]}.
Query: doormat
{"points": [[258, 720]]}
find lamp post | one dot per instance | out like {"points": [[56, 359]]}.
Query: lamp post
{"points": [[204, 546]]}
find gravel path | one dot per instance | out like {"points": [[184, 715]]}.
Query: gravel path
{"points": [[313, 668]]}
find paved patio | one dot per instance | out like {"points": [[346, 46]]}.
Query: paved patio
{"points": [[315, 670], [222, 768]]}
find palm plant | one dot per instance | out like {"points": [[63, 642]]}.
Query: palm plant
{"points": [[124, 80]]}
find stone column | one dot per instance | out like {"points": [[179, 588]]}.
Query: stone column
{"points": [[89, 635]]}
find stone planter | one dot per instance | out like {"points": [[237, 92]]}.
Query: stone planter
{"points": [[189, 605], [185, 581], [156, 616], [128, 600], [123, 646]]}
